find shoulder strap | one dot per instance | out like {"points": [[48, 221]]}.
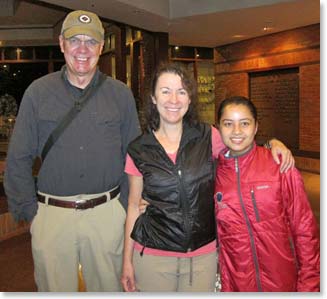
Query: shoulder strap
{"points": [[67, 119]]}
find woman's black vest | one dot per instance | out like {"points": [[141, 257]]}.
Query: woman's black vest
{"points": [[180, 216]]}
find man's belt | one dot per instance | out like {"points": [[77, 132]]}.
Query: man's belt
{"points": [[80, 204]]}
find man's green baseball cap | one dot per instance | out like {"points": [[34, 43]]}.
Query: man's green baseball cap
{"points": [[82, 22]]}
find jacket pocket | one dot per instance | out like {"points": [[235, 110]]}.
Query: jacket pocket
{"points": [[255, 207]]}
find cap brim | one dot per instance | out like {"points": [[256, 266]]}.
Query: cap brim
{"points": [[78, 30]]}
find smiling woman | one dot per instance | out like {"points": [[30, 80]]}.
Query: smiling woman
{"points": [[258, 207], [172, 101], [238, 128], [171, 167]]}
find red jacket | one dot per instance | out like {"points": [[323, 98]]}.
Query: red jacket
{"points": [[268, 236]]}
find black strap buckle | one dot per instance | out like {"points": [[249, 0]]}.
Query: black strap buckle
{"points": [[78, 105]]}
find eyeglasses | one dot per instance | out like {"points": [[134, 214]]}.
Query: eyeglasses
{"points": [[75, 42]]}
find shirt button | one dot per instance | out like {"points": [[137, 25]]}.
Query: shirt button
{"points": [[81, 148]]}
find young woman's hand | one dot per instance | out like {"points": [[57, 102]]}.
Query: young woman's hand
{"points": [[127, 278]]}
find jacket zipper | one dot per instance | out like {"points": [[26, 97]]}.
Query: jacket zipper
{"points": [[254, 202], [186, 210], [254, 254], [145, 243], [185, 205]]}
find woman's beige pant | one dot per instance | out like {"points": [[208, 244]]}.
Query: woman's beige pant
{"points": [[171, 274]]}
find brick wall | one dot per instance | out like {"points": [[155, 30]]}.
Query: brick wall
{"points": [[292, 48], [310, 107]]}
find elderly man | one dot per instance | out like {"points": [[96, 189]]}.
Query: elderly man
{"points": [[80, 122]]}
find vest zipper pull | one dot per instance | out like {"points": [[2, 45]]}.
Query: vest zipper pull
{"points": [[141, 253]]}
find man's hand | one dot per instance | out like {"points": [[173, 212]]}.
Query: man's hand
{"points": [[142, 205]]}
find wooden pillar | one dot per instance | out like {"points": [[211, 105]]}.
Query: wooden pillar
{"points": [[120, 52], [161, 46], [135, 65]]}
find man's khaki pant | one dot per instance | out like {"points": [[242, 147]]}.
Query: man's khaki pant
{"points": [[63, 238], [173, 274]]}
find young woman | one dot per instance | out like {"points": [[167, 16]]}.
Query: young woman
{"points": [[268, 237], [172, 246]]}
